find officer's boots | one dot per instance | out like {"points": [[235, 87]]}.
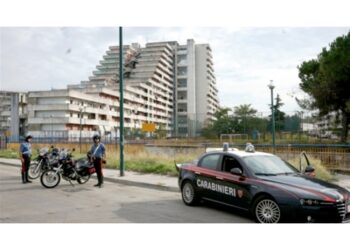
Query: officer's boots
{"points": [[100, 182], [27, 180]]}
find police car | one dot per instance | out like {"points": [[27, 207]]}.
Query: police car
{"points": [[263, 184]]}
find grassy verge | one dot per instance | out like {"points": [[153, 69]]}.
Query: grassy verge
{"points": [[150, 163], [9, 154], [137, 161], [141, 161]]}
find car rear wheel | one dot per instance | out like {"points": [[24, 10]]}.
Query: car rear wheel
{"points": [[266, 210], [189, 195]]}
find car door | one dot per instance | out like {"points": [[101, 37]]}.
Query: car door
{"points": [[206, 173], [239, 188]]}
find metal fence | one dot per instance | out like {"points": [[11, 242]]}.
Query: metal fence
{"points": [[331, 155]]}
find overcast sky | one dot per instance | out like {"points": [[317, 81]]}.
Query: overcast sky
{"points": [[245, 59]]}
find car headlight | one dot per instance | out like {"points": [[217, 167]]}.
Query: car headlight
{"points": [[312, 202], [309, 202]]}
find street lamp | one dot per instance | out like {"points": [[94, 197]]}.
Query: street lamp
{"points": [[81, 109], [51, 129], [271, 87], [121, 103]]}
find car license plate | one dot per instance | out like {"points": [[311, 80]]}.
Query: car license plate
{"points": [[348, 209]]}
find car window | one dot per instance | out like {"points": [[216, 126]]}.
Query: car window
{"points": [[210, 161], [229, 163], [268, 165]]}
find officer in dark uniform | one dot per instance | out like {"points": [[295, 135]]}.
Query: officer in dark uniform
{"points": [[25, 155], [98, 154]]}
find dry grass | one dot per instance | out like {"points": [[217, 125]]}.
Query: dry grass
{"points": [[150, 163]]}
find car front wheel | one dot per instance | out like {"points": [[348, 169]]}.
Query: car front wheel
{"points": [[267, 210]]}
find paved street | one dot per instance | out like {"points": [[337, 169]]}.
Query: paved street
{"points": [[115, 203]]}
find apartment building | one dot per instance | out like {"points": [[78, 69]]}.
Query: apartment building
{"points": [[197, 94], [13, 114], [93, 105], [170, 85]]}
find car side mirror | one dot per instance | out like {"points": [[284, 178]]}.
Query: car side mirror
{"points": [[236, 171], [310, 171], [178, 166]]}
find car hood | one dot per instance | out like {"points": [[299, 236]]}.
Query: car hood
{"points": [[308, 187]]}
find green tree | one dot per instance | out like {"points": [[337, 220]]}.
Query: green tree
{"points": [[326, 80], [244, 114], [279, 115], [292, 123], [244, 110], [223, 124]]}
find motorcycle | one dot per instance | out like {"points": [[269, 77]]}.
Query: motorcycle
{"points": [[46, 159], [69, 170]]}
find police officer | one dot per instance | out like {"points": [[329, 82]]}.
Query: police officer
{"points": [[25, 154], [98, 154]]}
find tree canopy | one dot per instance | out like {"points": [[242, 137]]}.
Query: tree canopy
{"points": [[244, 110], [279, 115], [327, 79]]}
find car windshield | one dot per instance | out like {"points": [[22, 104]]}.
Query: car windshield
{"points": [[268, 165]]}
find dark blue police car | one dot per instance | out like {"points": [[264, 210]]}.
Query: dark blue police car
{"points": [[269, 188]]}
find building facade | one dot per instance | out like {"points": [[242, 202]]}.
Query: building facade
{"points": [[195, 92], [13, 114], [170, 85]]}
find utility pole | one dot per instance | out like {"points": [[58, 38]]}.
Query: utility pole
{"points": [[271, 86], [121, 103]]}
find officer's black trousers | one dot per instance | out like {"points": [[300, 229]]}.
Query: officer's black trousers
{"points": [[98, 167], [25, 168]]}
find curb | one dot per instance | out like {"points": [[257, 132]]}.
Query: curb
{"points": [[142, 184], [123, 182], [10, 164]]}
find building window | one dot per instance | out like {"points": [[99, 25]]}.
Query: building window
{"points": [[182, 120], [182, 130], [182, 59], [182, 71], [182, 95], [182, 83]]}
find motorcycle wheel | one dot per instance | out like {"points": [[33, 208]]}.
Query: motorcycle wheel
{"points": [[83, 179], [34, 170], [50, 178]]}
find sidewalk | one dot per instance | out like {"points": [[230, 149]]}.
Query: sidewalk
{"points": [[155, 181]]}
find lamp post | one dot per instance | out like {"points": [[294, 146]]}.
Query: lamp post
{"points": [[51, 128], [81, 109], [271, 87], [121, 103]]}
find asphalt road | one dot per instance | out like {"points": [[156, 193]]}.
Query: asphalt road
{"points": [[115, 203]]}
